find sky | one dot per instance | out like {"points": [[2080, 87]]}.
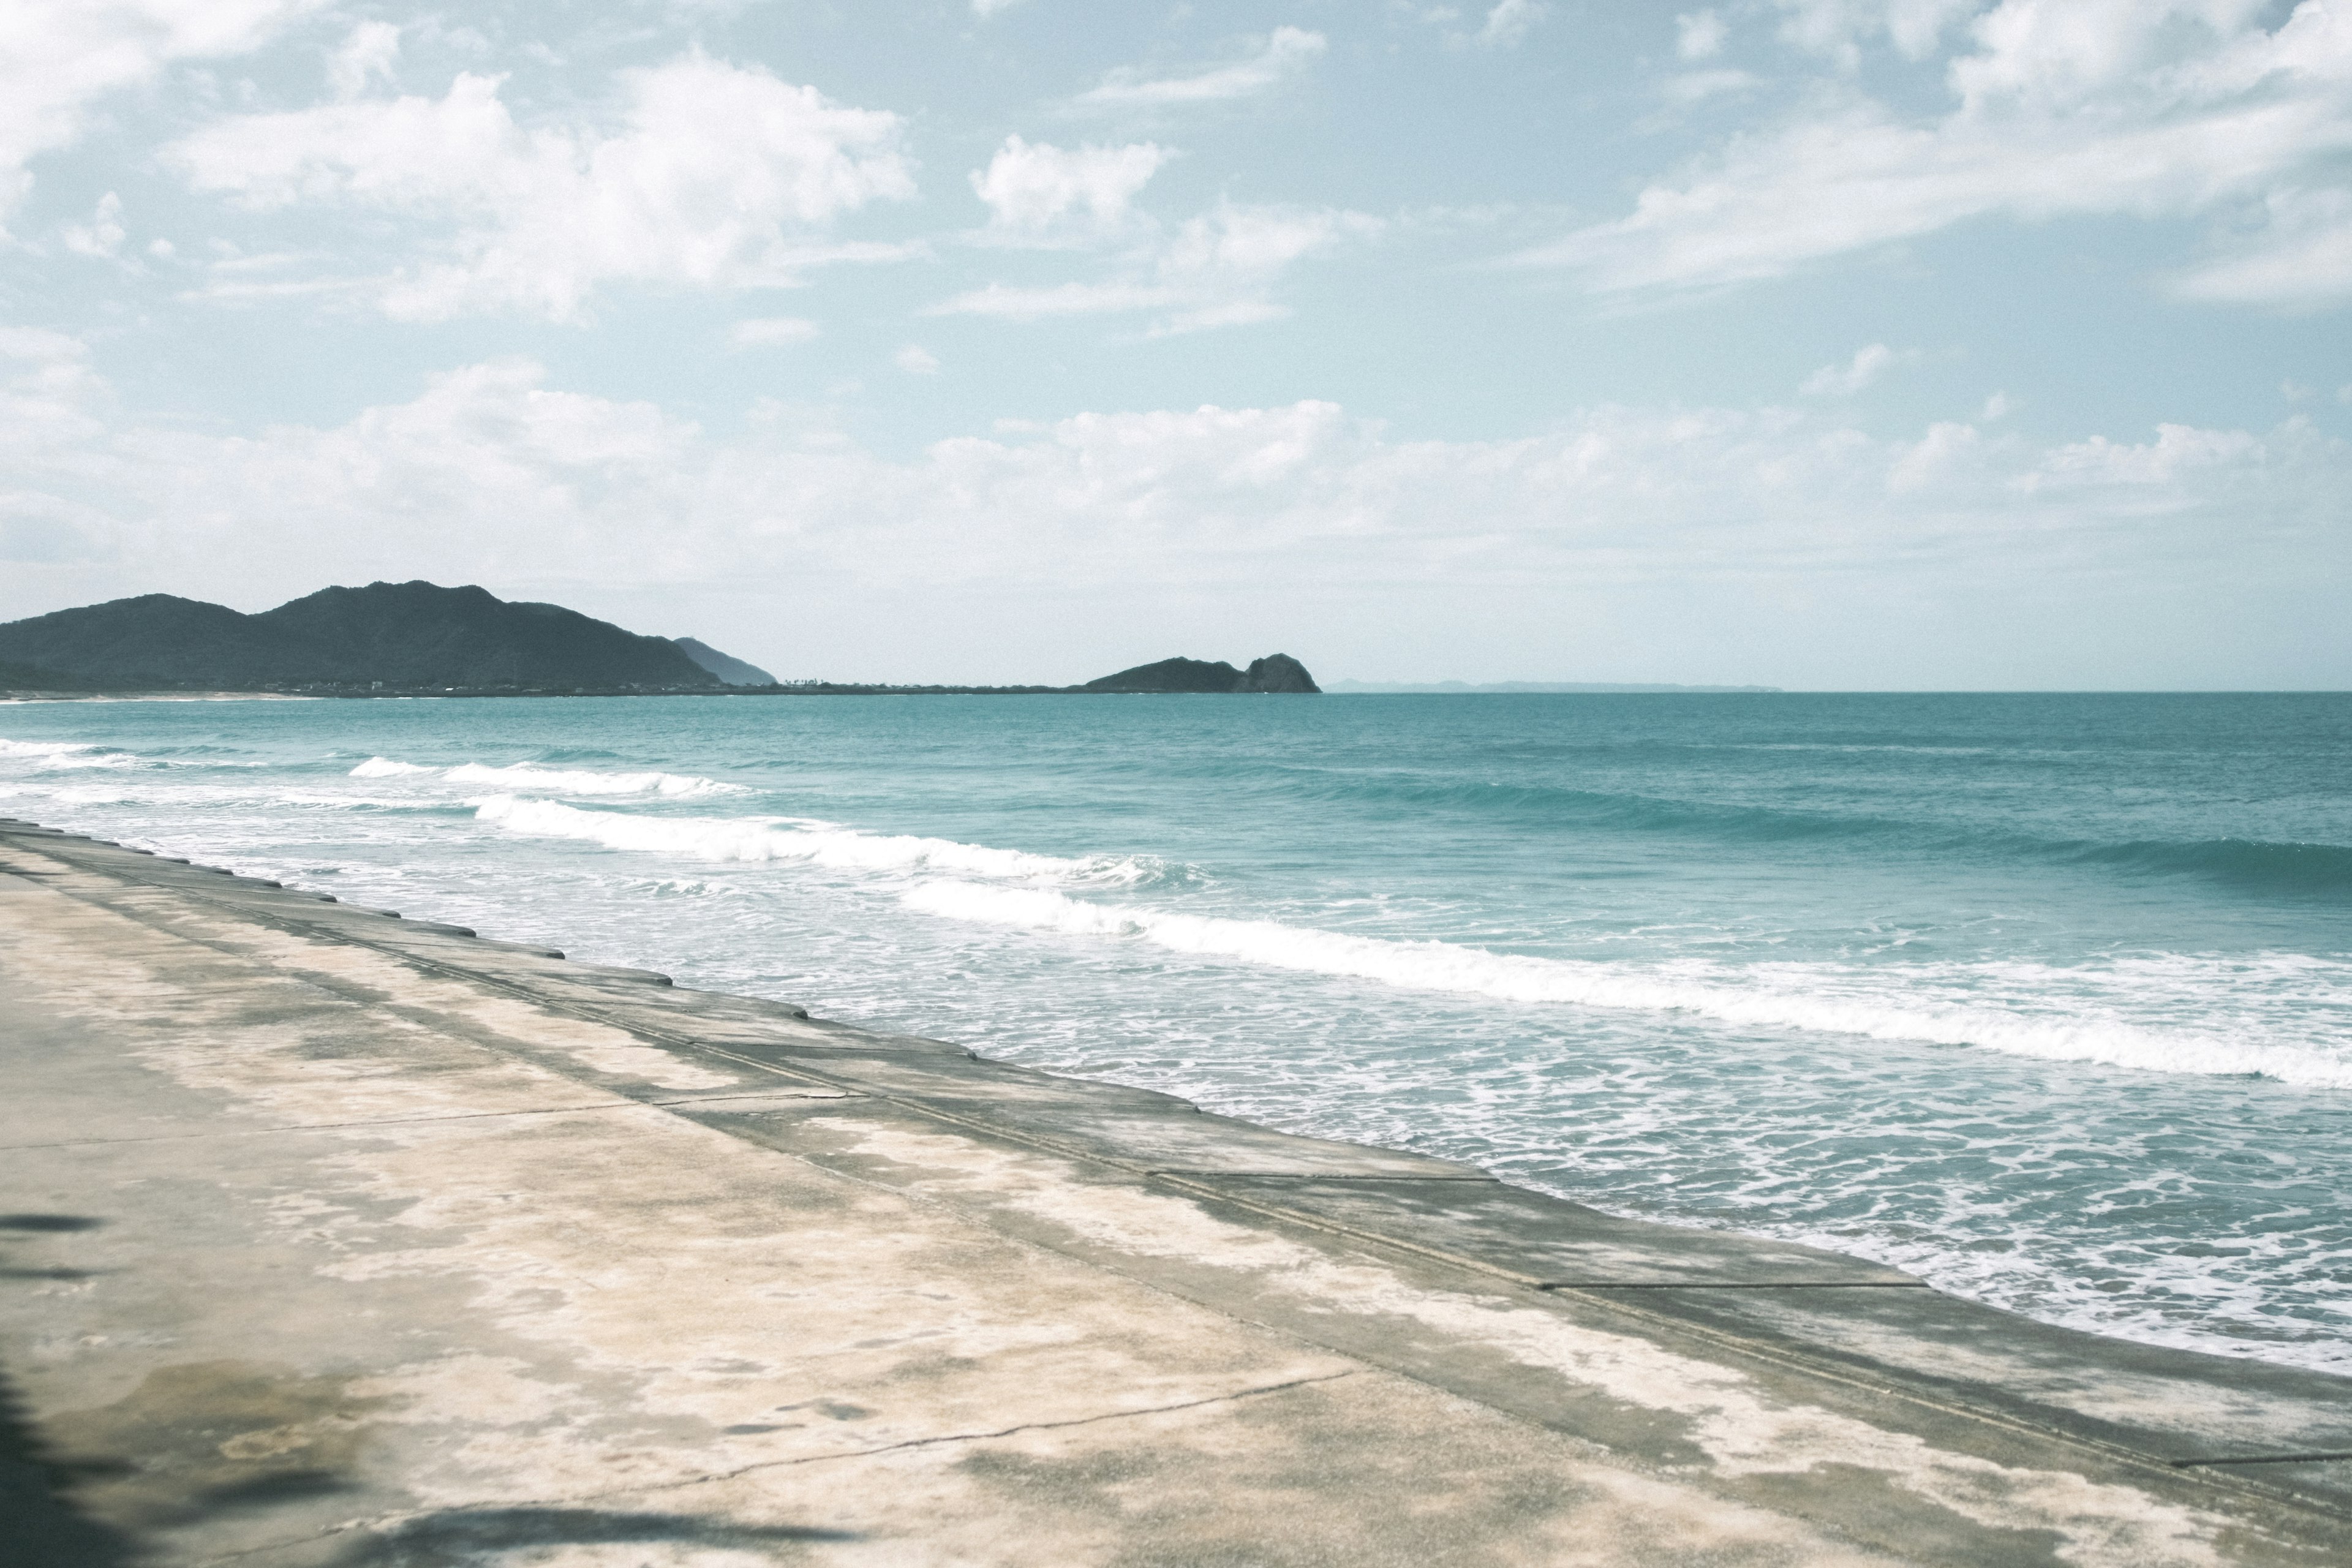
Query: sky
{"points": [[1817, 344]]}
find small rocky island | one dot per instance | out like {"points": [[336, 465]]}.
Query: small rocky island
{"points": [[419, 639], [1276, 673]]}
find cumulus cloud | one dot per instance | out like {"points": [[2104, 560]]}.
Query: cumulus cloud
{"points": [[916, 360], [64, 57], [1840, 29], [2149, 108], [368, 55], [101, 239], [2300, 257], [2178, 452], [1034, 190], [713, 175], [1700, 34], [1868, 364], [1508, 21], [1218, 269], [1271, 61], [490, 473]]}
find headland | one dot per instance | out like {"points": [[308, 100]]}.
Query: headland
{"points": [[337, 1238], [420, 639]]}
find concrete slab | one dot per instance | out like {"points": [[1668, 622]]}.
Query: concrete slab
{"points": [[325, 1245], [1548, 1242]]}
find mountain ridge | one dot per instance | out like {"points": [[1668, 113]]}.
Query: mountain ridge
{"points": [[400, 637], [419, 638]]}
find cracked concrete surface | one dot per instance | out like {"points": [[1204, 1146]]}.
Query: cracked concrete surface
{"points": [[331, 1238]]}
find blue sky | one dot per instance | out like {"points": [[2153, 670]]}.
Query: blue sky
{"points": [[1812, 343]]}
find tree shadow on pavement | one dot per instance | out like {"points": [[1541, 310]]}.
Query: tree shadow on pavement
{"points": [[460, 1536], [40, 1525]]}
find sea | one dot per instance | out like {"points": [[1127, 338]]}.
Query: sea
{"points": [[2044, 998]]}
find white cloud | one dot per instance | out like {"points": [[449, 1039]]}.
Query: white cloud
{"points": [[2149, 108], [102, 238], [62, 57], [987, 9], [1700, 34], [1840, 28], [1020, 304], [1280, 55], [2301, 257], [1032, 189], [489, 471], [771, 332], [916, 360], [1509, 22], [51, 395], [714, 176], [1218, 269], [368, 55], [1844, 380], [2178, 452], [1947, 448]]}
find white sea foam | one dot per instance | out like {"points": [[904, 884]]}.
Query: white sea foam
{"points": [[805, 839], [45, 755], [1926, 1004], [574, 781], [553, 781]]}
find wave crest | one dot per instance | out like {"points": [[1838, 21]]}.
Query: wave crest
{"points": [[807, 840], [1908, 1005], [554, 780]]}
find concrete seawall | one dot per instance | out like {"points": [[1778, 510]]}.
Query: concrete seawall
{"points": [[330, 1238]]}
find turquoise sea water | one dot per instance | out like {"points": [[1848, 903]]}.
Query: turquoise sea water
{"points": [[2046, 998]]}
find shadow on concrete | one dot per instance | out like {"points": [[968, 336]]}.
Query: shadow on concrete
{"points": [[40, 1526], [269, 1489], [460, 1536]]}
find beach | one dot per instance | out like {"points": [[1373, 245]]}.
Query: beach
{"points": [[2042, 1000], [340, 1238]]}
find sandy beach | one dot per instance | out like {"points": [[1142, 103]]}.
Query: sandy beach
{"points": [[336, 1239]]}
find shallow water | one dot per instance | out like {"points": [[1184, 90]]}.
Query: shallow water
{"points": [[2046, 998]]}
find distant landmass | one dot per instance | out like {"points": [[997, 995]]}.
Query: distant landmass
{"points": [[727, 671], [1276, 673], [422, 639], [1464, 687], [394, 636]]}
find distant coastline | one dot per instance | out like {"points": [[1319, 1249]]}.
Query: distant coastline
{"points": [[1466, 689], [420, 639]]}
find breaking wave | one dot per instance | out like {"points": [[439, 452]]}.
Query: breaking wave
{"points": [[808, 840], [553, 781], [1925, 1005], [46, 754]]}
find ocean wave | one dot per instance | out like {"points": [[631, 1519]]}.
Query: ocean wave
{"points": [[2249, 862], [554, 780], [1884, 1005], [2253, 863], [65, 754], [578, 780], [808, 840]]}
